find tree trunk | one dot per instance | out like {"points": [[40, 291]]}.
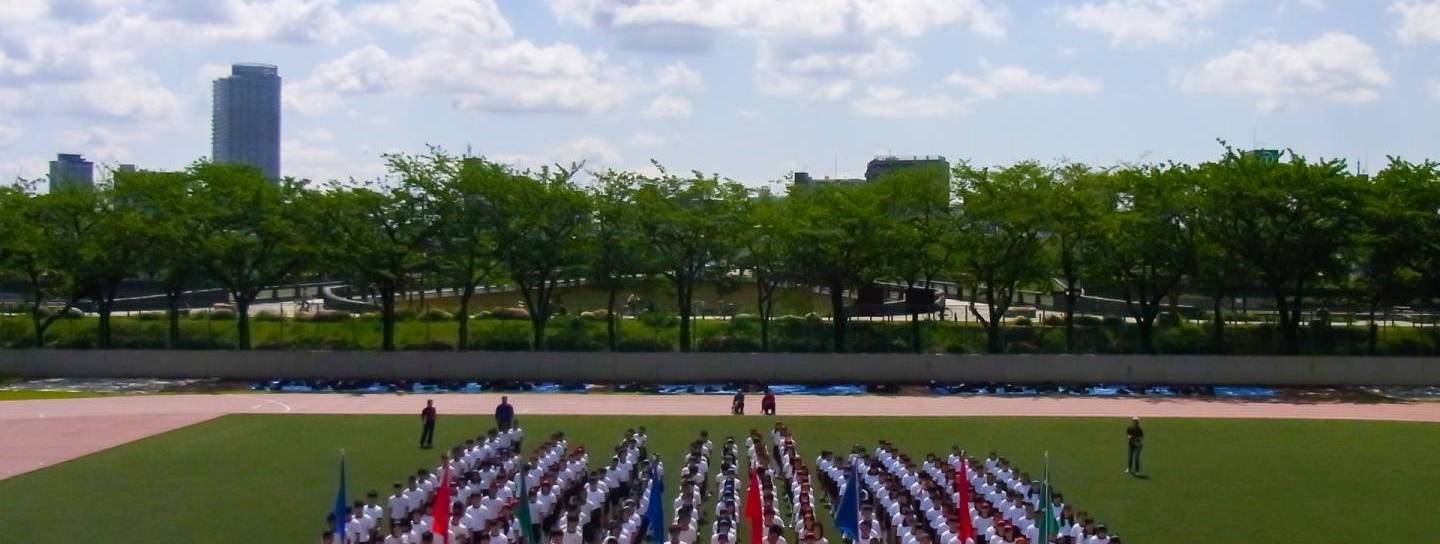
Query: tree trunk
{"points": [[610, 337], [539, 313], [837, 311], [463, 335], [1374, 328], [683, 295], [387, 316], [242, 322], [915, 331], [1217, 308], [994, 343], [761, 297], [1146, 327], [39, 325], [103, 327], [172, 314], [1069, 315]]}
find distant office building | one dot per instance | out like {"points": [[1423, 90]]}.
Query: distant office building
{"points": [[1267, 156], [125, 169], [245, 124], [71, 171], [878, 167]]}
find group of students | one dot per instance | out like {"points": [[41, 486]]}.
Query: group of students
{"points": [[781, 470], [903, 503], [566, 503]]}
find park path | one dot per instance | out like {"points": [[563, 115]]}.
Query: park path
{"points": [[39, 433]]}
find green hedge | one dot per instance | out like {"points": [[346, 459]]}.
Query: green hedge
{"points": [[800, 334]]}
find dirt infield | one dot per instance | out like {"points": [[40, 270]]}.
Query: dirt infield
{"points": [[41, 433]]}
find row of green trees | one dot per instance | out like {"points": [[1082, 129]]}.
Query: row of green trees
{"points": [[1296, 231]]}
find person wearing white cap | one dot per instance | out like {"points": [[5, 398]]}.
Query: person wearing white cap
{"points": [[1136, 439]]}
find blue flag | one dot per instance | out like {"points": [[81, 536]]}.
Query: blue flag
{"points": [[847, 513], [341, 510], [654, 520]]}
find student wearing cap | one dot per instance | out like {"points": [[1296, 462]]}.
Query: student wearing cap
{"points": [[1136, 438]]}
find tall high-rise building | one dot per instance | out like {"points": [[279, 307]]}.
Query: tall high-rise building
{"points": [[71, 171], [245, 123]]}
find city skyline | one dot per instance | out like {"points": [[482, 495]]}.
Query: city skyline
{"points": [[747, 89]]}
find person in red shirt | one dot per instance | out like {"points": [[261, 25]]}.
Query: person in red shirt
{"points": [[767, 403]]}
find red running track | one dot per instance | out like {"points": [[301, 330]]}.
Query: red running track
{"points": [[42, 433]]}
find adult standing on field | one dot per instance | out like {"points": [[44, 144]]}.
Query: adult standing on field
{"points": [[427, 432], [1136, 438], [504, 414], [767, 403]]}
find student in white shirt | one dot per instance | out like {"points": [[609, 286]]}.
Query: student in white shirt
{"points": [[774, 536], [397, 534], [357, 529], [399, 506]]}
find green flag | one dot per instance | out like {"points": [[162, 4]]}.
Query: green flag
{"points": [[1048, 525], [522, 512]]}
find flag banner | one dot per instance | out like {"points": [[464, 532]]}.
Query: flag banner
{"points": [[754, 512], [847, 513], [654, 521], [441, 511], [1047, 523], [522, 509], [962, 488], [342, 511]]}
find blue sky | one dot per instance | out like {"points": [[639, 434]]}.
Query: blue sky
{"points": [[751, 89]]}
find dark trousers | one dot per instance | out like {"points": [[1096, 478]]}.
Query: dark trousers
{"points": [[1133, 462], [427, 435]]}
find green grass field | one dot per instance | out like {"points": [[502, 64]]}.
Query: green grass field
{"points": [[273, 478]]}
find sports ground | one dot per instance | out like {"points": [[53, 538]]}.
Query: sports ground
{"points": [[262, 468]]}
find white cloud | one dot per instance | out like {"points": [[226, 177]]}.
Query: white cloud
{"points": [[9, 134], [814, 49], [1009, 80], [1336, 68], [826, 18], [668, 107], [894, 103], [508, 77], [469, 19], [646, 140], [1143, 22], [915, 17], [28, 167], [363, 71], [825, 75], [1419, 20], [594, 151], [138, 95], [679, 76]]}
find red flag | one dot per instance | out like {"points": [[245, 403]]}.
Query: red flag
{"points": [[753, 513], [962, 486], [441, 511]]}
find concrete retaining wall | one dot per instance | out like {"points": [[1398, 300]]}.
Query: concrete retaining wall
{"points": [[722, 367]]}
